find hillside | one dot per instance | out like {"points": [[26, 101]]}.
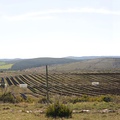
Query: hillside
{"points": [[37, 62], [68, 64], [92, 65]]}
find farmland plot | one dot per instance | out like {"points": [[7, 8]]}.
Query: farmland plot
{"points": [[68, 84]]}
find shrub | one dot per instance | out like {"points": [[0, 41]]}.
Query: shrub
{"points": [[83, 98], [19, 99], [29, 100], [7, 97], [58, 110], [107, 99], [74, 100], [43, 100]]}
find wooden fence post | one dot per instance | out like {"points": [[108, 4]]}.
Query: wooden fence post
{"points": [[47, 94]]}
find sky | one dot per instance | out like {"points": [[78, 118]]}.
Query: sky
{"points": [[59, 28]]}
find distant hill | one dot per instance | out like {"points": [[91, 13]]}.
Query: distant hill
{"points": [[90, 57], [68, 64], [92, 65], [37, 62]]}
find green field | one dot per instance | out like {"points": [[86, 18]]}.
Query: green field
{"points": [[4, 65]]}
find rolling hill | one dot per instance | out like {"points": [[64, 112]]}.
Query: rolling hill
{"points": [[21, 64], [92, 65], [37, 62], [68, 64]]}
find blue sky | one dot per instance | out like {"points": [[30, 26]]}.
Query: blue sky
{"points": [[59, 28]]}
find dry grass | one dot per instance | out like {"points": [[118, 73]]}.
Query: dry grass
{"points": [[16, 115], [25, 111]]}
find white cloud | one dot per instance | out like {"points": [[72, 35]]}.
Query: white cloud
{"points": [[49, 14], [26, 17]]}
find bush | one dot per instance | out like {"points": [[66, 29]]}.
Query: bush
{"points": [[107, 99], [75, 100], [58, 110], [19, 99], [7, 97], [44, 100], [83, 98], [29, 100]]}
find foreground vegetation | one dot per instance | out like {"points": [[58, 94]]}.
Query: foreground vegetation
{"points": [[83, 108], [78, 98], [6, 115], [35, 111]]}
